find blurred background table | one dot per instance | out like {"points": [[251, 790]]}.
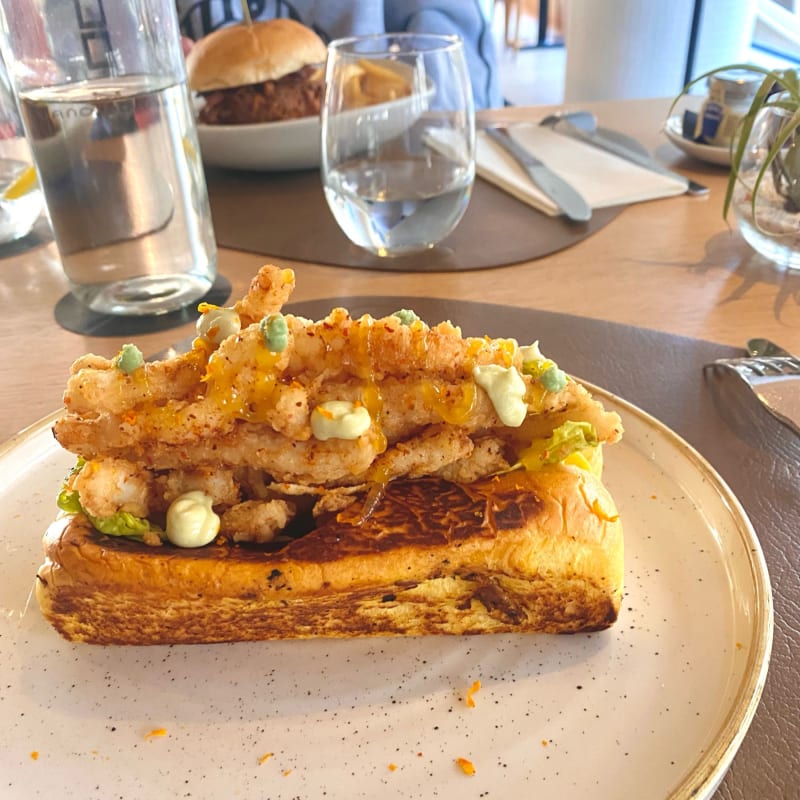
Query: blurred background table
{"points": [[672, 265]]}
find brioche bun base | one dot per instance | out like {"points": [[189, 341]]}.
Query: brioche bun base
{"points": [[523, 552]]}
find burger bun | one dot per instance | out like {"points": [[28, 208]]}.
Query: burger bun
{"points": [[241, 55]]}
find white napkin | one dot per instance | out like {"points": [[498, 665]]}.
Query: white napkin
{"points": [[602, 178]]}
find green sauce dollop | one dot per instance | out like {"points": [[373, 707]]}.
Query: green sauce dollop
{"points": [[406, 316], [275, 332], [129, 358], [553, 379]]}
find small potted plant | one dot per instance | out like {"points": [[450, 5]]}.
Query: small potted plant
{"points": [[764, 183]]}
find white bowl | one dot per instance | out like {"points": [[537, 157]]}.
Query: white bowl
{"points": [[704, 152], [295, 144]]}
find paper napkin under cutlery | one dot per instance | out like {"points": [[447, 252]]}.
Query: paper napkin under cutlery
{"points": [[602, 178]]}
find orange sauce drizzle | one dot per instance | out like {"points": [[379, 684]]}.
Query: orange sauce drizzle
{"points": [[253, 400], [361, 334], [535, 396], [453, 405]]}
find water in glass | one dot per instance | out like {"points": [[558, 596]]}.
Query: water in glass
{"points": [[118, 163]]}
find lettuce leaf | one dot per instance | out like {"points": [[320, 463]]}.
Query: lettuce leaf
{"points": [[568, 438], [122, 523], [68, 501]]}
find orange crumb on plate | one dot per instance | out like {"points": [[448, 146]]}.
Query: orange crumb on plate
{"points": [[544, 742], [392, 767], [467, 767], [472, 689], [601, 513], [156, 733], [286, 772], [265, 757], [34, 754]]}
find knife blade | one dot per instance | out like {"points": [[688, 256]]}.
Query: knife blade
{"points": [[566, 197], [567, 128]]}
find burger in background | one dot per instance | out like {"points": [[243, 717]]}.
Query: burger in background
{"points": [[265, 72]]}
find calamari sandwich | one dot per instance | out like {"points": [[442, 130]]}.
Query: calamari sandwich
{"points": [[290, 478]]}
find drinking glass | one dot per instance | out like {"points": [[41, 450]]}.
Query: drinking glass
{"points": [[101, 88], [398, 139]]}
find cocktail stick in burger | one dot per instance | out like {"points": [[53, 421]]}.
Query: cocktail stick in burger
{"points": [[340, 477]]}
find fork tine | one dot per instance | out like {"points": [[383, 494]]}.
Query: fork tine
{"points": [[762, 366]]}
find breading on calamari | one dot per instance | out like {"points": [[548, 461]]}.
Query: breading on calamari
{"points": [[256, 521], [246, 415]]}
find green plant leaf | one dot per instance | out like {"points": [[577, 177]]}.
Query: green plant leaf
{"points": [[745, 130]]}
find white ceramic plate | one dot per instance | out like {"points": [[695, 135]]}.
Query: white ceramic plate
{"points": [[295, 144], [655, 707], [704, 152]]}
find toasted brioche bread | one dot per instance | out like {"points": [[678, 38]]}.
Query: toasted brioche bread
{"points": [[524, 551]]}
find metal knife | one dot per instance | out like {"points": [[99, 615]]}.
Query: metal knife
{"points": [[568, 199], [567, 128]]}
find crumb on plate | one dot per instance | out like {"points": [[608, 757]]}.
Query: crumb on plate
{"points": [[470, 693], [467, 767]]}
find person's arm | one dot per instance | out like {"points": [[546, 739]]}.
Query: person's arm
{"points": [[465, 18]]}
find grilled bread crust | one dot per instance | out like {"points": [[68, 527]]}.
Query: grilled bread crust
{"points": [[521, 552]]}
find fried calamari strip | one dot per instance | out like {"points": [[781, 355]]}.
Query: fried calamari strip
{"points": [[242, 404]]}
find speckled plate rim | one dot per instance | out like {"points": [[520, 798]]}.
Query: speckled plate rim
{"points": [[700, 779], [28, 432], [704, 152], [703, 778]]}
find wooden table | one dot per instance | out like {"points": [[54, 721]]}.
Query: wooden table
{"points": [[673, 265]]}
